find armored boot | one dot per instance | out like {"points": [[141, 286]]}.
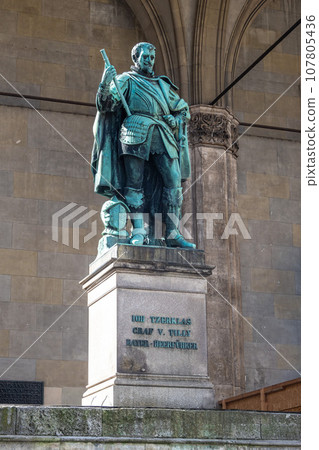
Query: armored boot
{"points": [[135, 201], [172, 202]]}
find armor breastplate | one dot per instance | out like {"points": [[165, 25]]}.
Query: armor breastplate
{"points": [[141, 101], [147, 106]]}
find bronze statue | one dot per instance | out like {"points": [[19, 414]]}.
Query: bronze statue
{"points": [[140, 153]]}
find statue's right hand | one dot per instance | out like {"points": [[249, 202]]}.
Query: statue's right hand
{"points": [[109, 74]]}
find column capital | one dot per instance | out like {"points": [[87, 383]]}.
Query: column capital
{"points": [[213, 125]]}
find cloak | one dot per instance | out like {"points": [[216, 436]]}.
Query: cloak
{"points": [[107, 167]]}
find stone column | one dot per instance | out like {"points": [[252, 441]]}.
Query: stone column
{"points": [[211, 196], [147, 329]]}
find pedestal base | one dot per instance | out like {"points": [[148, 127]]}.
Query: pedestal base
{"points": [[147, 329], [149, 390]]}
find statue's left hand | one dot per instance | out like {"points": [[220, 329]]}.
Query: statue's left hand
{"points": [[170, 120]]}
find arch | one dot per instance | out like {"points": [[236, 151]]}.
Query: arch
{"points": [[181, 50], [247, 14], [198, 54], [213, 22], [150, 21], [222, 22]]}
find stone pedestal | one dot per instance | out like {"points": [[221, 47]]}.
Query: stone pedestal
{"points": [[147, 329]]}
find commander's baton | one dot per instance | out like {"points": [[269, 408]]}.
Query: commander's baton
{"points": [[107, 63]]}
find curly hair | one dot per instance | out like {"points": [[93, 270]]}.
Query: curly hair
{"points": [[136, 50]]}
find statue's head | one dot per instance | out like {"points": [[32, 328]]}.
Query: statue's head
{"points": [[143, 56]]}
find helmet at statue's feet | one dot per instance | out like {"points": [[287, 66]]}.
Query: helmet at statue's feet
{"points": [[137, 239], [179, 241]]}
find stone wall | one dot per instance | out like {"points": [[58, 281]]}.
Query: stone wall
{"points": [[268, 186], [50, 49], [135, 428], [257, 94], [269, 194], [41, 174], [269, 203]]}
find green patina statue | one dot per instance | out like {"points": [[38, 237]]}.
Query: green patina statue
{"points": [[140, 153]]}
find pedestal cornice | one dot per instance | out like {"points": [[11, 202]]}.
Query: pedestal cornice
{"points": [[148, 259]]}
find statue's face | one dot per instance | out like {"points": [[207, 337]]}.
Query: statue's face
{"points": [[146, 60]]}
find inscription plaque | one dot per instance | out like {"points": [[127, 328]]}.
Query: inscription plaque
{"points": [[21, 392], [172, 333]]}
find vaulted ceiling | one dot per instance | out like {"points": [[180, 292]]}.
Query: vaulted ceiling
{"points": [[199, 40]]}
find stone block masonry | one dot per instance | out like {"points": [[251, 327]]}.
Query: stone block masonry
{"points": [[39, 278], [135, 428], [270, 261], [269, 193]]}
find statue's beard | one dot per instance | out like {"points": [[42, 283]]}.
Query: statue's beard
{"points": [[148, 71]]}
